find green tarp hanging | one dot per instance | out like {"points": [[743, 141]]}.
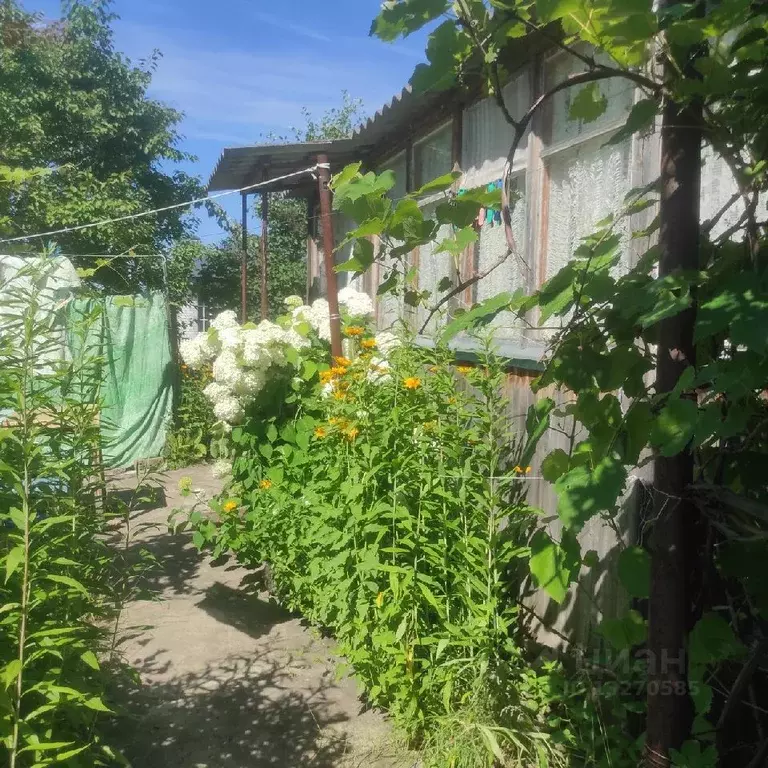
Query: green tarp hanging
{"points": [[137, 381]]}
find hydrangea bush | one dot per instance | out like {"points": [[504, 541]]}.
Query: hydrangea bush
{"points": [[245, 358]]}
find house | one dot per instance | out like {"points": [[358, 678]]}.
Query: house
{"points": [[569, 177]]}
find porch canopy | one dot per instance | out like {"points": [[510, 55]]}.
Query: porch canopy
{"points": [[240, 167], [304, 169]]}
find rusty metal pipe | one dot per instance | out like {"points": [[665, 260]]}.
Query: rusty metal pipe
{"points": [[244, 263], [323, 180]]}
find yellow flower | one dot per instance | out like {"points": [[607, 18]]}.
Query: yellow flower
{"points": [[265, 485], [342, 361], [451, 401], [368, 343], [517, 470], [230, 506], [338, 370], [320, 433], [379, 599], [326, 376], [335, 420], [411, 382], [464, 369], [354, 330], [527, 470], [339, 395], [351, 433], [433, 369]]}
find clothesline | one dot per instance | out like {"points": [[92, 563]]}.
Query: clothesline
{"points": [[175, 206]]}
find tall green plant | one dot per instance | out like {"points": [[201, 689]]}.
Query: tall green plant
{"points": [[56, 596], [699, 70]]}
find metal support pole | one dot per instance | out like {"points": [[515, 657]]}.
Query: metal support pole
{"points": [[244, 263], [264, 243], [323, 179]]}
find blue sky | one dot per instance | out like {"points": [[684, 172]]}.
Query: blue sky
{"points": [[241, 69]]}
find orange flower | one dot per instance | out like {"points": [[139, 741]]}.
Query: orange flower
{"points": [[342, 361], [265, 485], [517, 470], [464, 369], [368, 343], [351, 433], [411, 382], [338, 370], [354, 330], [527, 470], [320, 433], [326, 376], [230, 506]]}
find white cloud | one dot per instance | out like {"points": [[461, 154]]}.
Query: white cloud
{"points": [[297, 29], [237, 95]]}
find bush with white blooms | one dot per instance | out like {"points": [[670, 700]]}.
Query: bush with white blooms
{"points": [[245, 357]]}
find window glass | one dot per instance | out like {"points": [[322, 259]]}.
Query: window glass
{"points": [[432, 156]]}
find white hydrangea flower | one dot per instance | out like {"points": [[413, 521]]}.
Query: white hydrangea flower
{"points": [[199, 351], [229, 409], [226, 370], [250, 384], [255, 352], [292, 302], [294, 339], [231, 338], [222, 468], [227, 319], [327, 389], [318, 316], [356, 303], [386, 341], [215, 391], [378, 371]]}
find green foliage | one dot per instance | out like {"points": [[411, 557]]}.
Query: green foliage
{"points": [[379, 512], [189, 439], [73, 105], [62, 586], [217, 279], [610, 319]]}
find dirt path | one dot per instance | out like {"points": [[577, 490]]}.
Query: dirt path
{"points": [[228, 679]]}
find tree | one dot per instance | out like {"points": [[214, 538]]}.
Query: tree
{"points": [[72, 104], [699, 322]]}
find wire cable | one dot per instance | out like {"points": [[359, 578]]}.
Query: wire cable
{"points": [[140, 215]]}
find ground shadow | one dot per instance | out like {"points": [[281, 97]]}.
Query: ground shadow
{"points": [[243, 711], [170, 560], [145, 498], [246, 612]]}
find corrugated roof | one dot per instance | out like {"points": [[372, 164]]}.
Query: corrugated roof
{"points": [[240, 166]]}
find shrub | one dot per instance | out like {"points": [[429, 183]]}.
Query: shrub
{"points": [[189, 439]]}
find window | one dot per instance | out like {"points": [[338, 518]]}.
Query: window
{"points": [[432, 156], [583, 178], [203, 318]]}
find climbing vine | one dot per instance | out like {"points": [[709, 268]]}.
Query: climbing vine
{"points": [[665, 362]]}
